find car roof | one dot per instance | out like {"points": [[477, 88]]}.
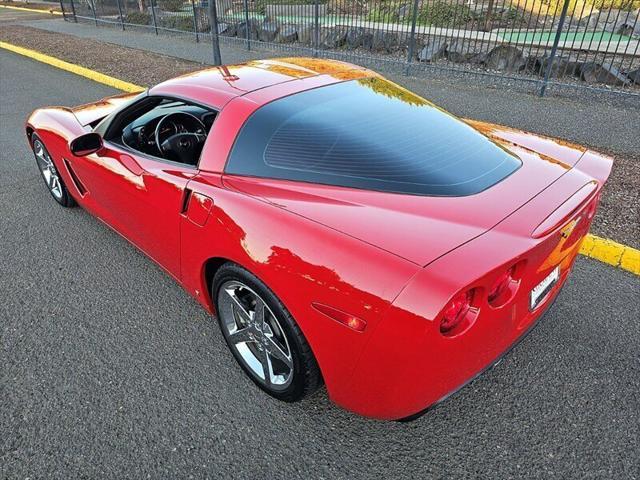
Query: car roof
{"points": [[217, 86]]}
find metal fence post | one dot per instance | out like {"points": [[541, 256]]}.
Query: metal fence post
{"points": [[121, 16], [246, 24], [64, 14], [73, 11], [412, 39], [153, 17], [195, 20], [554, 49], [93, 9], [215, 41], [316, 28]]}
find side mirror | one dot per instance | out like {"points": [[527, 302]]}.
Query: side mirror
{"points": [[86, 144]]}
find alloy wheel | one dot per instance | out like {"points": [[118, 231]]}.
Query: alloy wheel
{"points": [[48, 169], [255, 334]]}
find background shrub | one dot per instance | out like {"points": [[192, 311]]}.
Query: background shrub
{"points": [[171, 5], [175, 22], [138, 18]]}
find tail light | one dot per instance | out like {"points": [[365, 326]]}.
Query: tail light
{"points": [[459, 314], [504, 288]]}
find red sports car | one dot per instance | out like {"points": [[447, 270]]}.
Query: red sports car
{"points": [[343, 229]]}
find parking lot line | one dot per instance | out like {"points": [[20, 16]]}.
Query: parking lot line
{"points": [[73, 68], [598, 248], [36, 10]]}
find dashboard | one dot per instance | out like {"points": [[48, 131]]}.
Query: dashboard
{"points": [[140, 134]]}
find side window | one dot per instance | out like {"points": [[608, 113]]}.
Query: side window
{"points": [[163, 128]]}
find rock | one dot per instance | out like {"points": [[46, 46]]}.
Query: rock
{"points": [[355, 37], [227, 29], [634, 76], [378, 41], [287, 34], [331, 38], [268, 30], [253, 30], [561, 67], [592, 72], [456, 57], [433, 50], [382, 42], [305, 34], [479, 58], [457, 51], [505, 57]]}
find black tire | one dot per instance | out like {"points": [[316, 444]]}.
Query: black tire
{"points": [[60, 193], [306, 377]]}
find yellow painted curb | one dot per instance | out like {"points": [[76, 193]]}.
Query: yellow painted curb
{"points": [[52, 12], [611, 252], [595, 247], [70, 67]]}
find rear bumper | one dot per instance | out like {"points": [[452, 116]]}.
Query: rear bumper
{"points": [[534, 323], [409, 366]]}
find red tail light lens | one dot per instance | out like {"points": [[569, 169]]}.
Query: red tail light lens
{"points": [[501, 285], [457, 316]]}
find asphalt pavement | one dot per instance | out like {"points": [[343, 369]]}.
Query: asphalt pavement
{"points": [[109, 370]]}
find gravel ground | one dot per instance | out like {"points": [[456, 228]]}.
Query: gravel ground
{"points": [[575, 121], [110, 370]]}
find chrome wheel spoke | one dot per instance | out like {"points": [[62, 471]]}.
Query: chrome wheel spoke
{"points": [[276, 352], [241, 335], [267, 369], [236, 305]]}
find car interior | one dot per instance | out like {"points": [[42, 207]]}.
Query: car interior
{"points": [[164, 128]]}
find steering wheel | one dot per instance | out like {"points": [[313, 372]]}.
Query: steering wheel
{"points": [[180, 135]]}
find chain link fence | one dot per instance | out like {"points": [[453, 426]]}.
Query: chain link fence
{"points": [[581, 44]]}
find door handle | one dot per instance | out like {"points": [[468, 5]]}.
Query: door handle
{"points": [[196, 207]]}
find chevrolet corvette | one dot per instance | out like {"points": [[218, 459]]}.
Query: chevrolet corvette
{"points": [[343, 230]]}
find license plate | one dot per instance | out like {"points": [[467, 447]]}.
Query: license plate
{"points": [[540, 291]]}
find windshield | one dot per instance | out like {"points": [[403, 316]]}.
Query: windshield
{"points": [[368, 134]]}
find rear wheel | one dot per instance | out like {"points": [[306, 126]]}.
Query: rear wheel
{"points": [[262, 335], [50, 174]]}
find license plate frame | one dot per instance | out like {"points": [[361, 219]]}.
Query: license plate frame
{"points": [[540, 291]]}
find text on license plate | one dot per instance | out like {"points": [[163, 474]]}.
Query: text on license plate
{"points": [[540, 291]]}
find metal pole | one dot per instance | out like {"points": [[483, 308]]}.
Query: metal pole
{"points": [[121, 16], [73, 10], [153, 17], [316, 29], [412, 39], [195, 20], [554, 49], [246, 23], [64, 15], [215, 41], [93, 9]]}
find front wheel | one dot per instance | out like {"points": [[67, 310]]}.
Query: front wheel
{"points": [[262, 335], [50, 174]]}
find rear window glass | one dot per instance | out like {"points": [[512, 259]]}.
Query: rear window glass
{"points": [[368, 134]]}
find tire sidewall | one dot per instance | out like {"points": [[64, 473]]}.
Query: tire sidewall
{"points": [[233, 272]]}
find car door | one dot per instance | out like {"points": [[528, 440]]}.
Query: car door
{"points": [[140, 197]]}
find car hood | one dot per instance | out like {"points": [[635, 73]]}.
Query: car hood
{"points": [[422, 228], [91, 112]]}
